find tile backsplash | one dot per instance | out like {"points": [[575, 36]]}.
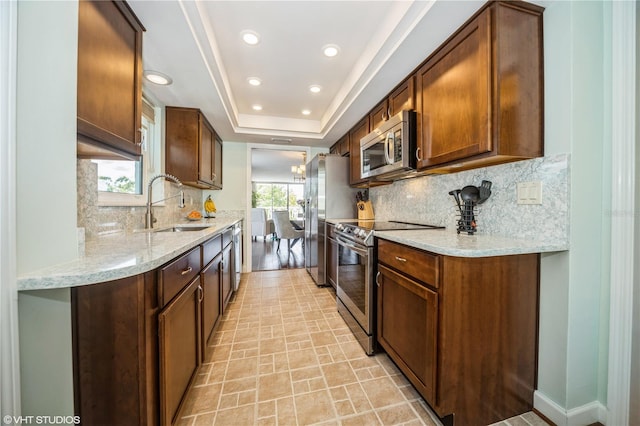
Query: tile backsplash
{"points": [[98, 220], [426, 199]]}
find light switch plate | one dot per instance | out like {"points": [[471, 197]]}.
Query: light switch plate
{"points": [[529, 192]]}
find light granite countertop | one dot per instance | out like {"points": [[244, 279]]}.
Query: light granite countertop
{"points": [[121, 255], [448, 242]]}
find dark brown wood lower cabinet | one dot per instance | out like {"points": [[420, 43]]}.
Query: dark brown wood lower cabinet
{"points": [[138, 341], [179, 344], [211, 305], [115, 351], [467, 340], [407, 327], [226, 277]]}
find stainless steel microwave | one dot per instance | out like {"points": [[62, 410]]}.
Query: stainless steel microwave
{"points": [[389, 151]]}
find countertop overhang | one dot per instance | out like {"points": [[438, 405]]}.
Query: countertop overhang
{"points": [[121, 255], [450, 243]]}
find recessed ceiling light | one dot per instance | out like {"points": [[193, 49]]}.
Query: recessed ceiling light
{"points": [[306, 112], [254, 81], [257, 107], [157, 77], [315, 88], [330, 50], [250, 37]]}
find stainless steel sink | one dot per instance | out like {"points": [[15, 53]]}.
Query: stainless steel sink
{"points": [[182, 229]]}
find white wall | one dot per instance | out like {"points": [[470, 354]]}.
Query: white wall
{"points": [[634, 413], [46, 196], [9, 345], [46, 133], [573, 312], [234, 170]]}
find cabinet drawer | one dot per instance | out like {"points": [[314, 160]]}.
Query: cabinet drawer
{"points": [[173, 277], [418, 264], [210, 249]]}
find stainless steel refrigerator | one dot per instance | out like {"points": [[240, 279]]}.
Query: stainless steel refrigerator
{"points": [[328, 196]]}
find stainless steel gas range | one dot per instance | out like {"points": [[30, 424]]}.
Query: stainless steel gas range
{"points": [[355, 273]]}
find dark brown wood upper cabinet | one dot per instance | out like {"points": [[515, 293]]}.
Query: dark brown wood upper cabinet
{"points": [[358, 131], [217, 162], [190, 141], [401, 98], [341, 147], [479, 97], [109, 80]]}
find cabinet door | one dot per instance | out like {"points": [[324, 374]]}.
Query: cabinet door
{"points": [[182, 144], [407, 328], [217, 163], [359, 131], [225, 271], [402, 97], [379, 114], [210, 299], [205, 169], [345, 149], [179, 344], [453, 97], [341, 147], [109, 77]]}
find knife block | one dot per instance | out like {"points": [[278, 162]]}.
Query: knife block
{"points": [[365, 210]]}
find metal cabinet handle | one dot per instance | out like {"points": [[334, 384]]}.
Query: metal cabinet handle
{"points": [[400, 259], [200, 293], [388, 113], [214, 177], [418, 154], [378, 278], [139, 141], [186, 270]]}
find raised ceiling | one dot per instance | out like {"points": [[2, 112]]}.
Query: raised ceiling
{"points": [[199, 44]]}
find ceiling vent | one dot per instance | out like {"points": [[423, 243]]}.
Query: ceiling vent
{"points": [[280, 140]]}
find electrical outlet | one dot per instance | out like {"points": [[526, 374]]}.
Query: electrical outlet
{"points": [[529, 192]]}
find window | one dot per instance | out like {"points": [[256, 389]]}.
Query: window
{"points": [[280, 196], [121, 176], [122, 182]]}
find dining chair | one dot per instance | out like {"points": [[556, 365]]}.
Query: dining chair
{"points": [[285, 230]]}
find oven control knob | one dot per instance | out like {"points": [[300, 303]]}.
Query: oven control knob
{"points": [[362, 233], [339, 227]]}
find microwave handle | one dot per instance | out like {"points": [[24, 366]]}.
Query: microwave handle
{"points": [[389, 148]]}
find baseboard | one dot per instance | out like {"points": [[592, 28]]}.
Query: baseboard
{"points": [[593, 412]]}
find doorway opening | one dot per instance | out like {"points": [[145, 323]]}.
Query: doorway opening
{"points": [[277, 184]]}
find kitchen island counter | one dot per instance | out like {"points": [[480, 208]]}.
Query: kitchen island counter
{"points": [[122, 255], [448, 242]]}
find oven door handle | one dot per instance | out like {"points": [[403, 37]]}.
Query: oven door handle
{"points": [[351, 246]]}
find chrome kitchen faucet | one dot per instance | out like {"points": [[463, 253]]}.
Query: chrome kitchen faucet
{"points": [[149, 220]]}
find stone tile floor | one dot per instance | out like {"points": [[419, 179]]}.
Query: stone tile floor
{"points": [[282, 355]]}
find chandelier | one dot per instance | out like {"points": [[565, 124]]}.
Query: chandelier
{"points": [[299, 170]]}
